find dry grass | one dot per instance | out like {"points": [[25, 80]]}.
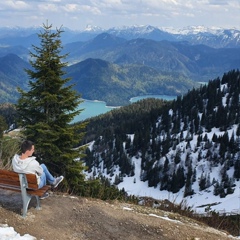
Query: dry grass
{"points": [[9, 147], [230, 224]]}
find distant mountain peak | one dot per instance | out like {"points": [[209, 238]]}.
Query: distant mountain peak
{"points": [[90, 28], [200, 29]]}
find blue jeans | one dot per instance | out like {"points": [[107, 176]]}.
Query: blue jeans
{"points": [[46, 177]]}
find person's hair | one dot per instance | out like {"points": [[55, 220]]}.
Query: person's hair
{"points": [[26, 145]]}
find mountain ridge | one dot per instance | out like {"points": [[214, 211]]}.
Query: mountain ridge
{"points": [[219, 37], [97, 79], [115, 84], [198, 62]]}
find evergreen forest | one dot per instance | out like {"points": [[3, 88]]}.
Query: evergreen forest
{"points": [[178, 142]]}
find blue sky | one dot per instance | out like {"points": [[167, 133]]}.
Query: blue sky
{"points": [[77, 14]]}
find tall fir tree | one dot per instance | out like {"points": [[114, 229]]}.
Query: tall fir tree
{"points": [[47, 109]]}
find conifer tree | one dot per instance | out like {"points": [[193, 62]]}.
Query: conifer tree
{"points": [[217, 189], [202, 182], [189, 180], [49, 106]]}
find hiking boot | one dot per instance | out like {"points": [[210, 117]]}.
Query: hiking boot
{"points": [[57, 181], [45, 195]]}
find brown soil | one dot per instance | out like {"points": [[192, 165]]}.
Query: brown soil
{"points": [[65, 217]]}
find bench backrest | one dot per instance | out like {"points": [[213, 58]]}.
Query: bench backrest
{"points": [[12, 178]]}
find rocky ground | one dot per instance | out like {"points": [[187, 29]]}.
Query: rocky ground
{"points": [[65, 217]]}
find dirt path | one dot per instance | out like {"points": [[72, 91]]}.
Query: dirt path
{"points": [[75, 218]]}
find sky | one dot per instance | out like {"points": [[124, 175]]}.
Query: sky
{"points": [[77, 14]]}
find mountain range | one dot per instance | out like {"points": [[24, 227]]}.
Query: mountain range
{"points": [[212, 37], [149, 59], [197, 62]]}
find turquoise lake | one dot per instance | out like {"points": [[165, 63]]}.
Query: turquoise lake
{"points": [[94, 108]]}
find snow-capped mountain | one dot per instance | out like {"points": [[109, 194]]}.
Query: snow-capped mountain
{"points": [[213, 37], [96, 29], [148, 32]]}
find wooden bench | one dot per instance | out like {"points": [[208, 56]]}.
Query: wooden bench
{"points": [[24, 183]]}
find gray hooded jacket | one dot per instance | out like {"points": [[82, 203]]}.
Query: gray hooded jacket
{"points": [[27, 165]]}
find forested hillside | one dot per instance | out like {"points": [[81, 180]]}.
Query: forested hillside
{"points": [[179, 143], [12, 75], [96, 79], [100, 80]]}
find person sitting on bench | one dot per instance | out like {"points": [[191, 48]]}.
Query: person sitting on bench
{"points": [[26, 163]]}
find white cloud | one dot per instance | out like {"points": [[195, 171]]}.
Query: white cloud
{"points": [[16, 5], [70, 7], [218, 2], [50, 7], [109, 13], [93, 10]]}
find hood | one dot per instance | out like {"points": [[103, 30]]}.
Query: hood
{"points": [[20, 165]]}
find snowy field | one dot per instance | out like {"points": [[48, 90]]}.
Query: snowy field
{"points": [[229, 204]]}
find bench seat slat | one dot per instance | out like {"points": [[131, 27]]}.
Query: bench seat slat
{"points": [[10, 178], [31, 178], [14, 183], [7, 172], [10, 175], [9, 182], [10, 187], [39, 192]]}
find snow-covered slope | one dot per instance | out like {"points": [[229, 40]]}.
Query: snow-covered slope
{"points": [[190, 153]]}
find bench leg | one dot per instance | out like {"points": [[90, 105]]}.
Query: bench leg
{"points": [[38, 207], [25, 196], [26, 199]]}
